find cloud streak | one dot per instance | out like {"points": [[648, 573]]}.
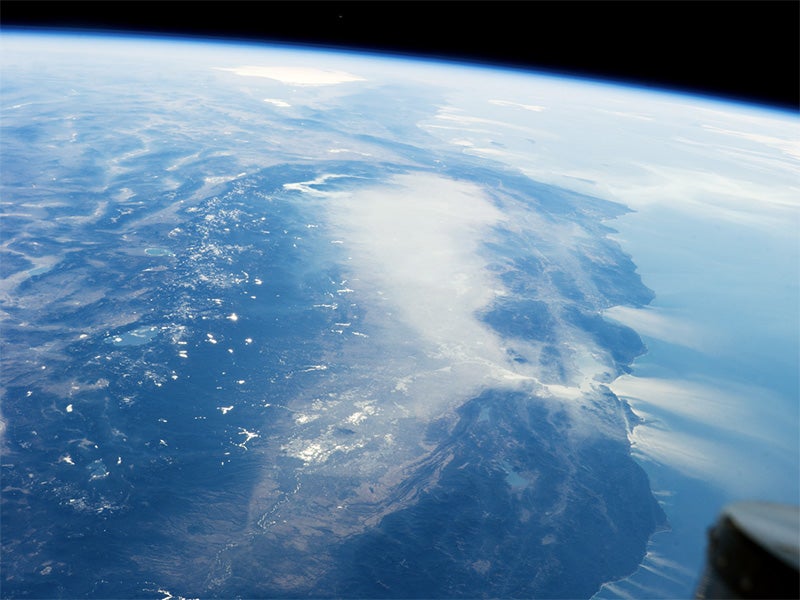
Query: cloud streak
{"points": [[658, 324], [741, 438]]}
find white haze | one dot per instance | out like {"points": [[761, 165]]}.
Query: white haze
{"points": [[415, 240]]}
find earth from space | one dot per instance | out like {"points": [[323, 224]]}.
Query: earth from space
{"points": [[281, 322]]}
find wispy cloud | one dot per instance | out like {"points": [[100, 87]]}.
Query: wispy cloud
{"points": [[303, 76], [656, 323], [531, 107], [789, 145], [742, 438], [277, 102]]}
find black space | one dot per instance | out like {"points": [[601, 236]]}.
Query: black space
{"points": [[743, 50]]}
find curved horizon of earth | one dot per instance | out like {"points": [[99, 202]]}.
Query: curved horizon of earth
{"points": [[281, 322]]}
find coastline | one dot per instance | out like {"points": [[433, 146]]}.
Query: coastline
{"points": [[716, 421]]}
